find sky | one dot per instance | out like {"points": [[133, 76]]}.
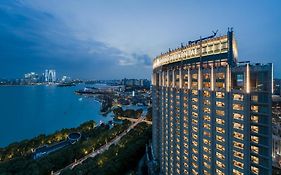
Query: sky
{"points": [[109, 39]]}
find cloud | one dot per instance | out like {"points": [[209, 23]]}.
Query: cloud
{"points": [[40, 39]]}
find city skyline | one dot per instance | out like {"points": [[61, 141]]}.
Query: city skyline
{"points": [[101, 40]]}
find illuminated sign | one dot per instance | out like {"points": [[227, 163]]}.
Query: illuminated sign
{"points": [[206, 47]]}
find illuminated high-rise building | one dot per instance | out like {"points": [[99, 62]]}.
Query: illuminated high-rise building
{"points": [[50, 75], [211, 113]]}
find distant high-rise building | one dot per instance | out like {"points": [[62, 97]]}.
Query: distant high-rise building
{"points": [[277, 86], [31, 77], [211, 113], [50, 75]]}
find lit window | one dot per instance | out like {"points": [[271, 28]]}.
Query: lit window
{"points": [[207, 150], [219, 155], [194, 107], [238, 107], [220, 121], [195, 122], [238, 154], [255, 108], [238, 97], [207, 126], [219, 94], [194, 114], [219, 172], [255, 139], [255, 149], [194, 76], [206, 165], [194, 92], [206, 102], [220, 138], [220, 112], [238, 164], [238, 126], [207, 142], [255, 159], [254, 118], [238, 116], [220, 130], [208, 134], [195, 150], [220, 164], [207, 118], [195, 129], [220, 104], [238, 135], [207, 110], [194, 99], [220, 147], [194, 143], [255, 170], [194, 136], [255, 129], [206, 157], [194, 158], [220, 75], [236, 172], [254, 98], [206, 94], [238, 145]]}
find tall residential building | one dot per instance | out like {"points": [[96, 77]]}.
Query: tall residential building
{"points": [[211, 113]]}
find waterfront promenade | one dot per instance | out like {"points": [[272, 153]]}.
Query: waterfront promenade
{"points": [[105, 147]]}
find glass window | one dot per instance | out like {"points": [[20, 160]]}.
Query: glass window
{"points": [[254, 98], [220, 121], [255, 139], [206, 102], [238, 126], [238, 164], [255, 170], [207, 126], [255, 129], [220, 130], [238, 107], [207, 110], [238, 154], [255, 159], [220, 147], [194, 92], [255, 108], [238, 116], [220, 112], [254, 118], [207, 118], [219, 155], [220, 104], [206, 93], [220, 164], [238, 135], [238, 145], [194, 99], [236, 172], [238, 97], [255, 149], [219, 94]]}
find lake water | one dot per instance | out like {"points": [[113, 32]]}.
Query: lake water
{"points": [[27, 111]]}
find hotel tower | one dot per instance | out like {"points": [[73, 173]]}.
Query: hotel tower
{"points": [[211, 113]]}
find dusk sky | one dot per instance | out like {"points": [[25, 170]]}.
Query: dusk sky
{"points": [[110, 39]]}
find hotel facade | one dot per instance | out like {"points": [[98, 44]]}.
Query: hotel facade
{"points": [[211, 113]]}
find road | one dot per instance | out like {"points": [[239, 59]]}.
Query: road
{"points": [[104, 147]]}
